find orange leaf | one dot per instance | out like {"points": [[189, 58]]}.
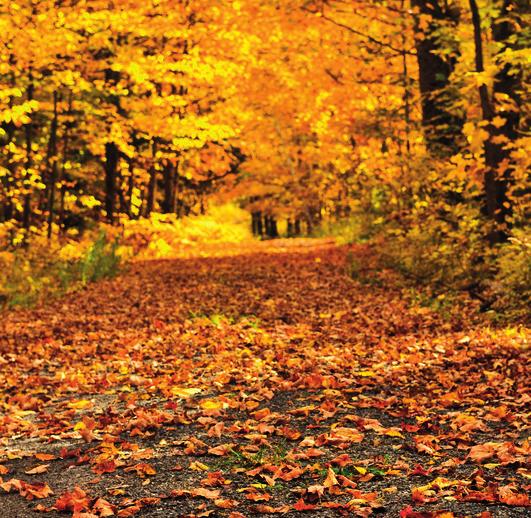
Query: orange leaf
{"points": [[44, 456], [331, 479], [301, 505], [221, 450], [75, 501], [210, 494], [103, 507], [226, 503]]}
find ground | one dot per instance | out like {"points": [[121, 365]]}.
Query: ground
{"points": [[263, 381]]}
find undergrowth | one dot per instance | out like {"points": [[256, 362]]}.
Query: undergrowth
{"points": [[47, 269], [444, 265], [52, 267], [165, 235]]}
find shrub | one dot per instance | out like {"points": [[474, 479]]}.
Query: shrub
{"points": [[47, 269], [165, 235], [100, 260], [511, 288]]}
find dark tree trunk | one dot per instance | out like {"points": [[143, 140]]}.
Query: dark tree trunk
{"points": [[52, 151], [290, 229], [152, 186], [130, 189], [507, 82], [258, 227], [273, 228], [62, 175], [442, 128], [169, 188], [111, 172], [9, 129], [26, 214], [112, 153]]}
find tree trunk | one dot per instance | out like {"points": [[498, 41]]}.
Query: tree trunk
{"points": [[152, 185], [297, 227], [52, 151], [442, 128], [111, 171], [169, 188], [26, 214], [62, 174], [506, 83]]}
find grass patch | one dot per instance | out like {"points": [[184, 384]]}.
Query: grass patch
{"points": [[30, 275]]}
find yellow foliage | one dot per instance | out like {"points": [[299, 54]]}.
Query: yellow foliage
{"points": [[164, 235]]}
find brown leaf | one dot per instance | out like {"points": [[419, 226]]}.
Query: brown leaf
{"points": [[210, 494], [43, 468]]}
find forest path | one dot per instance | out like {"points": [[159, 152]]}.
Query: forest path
{"points": [[259, 382]]}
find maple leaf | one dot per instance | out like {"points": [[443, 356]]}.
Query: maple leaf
{"points": [[509, 497], [316, 491], [29, 491], [301, 505], [75, 500], [347, 434], [262, 414], [292, 474], [255, 496], [43, 468], [44, 456], [484, 451], [206, 493], [103, 507], [104, 466], [342, 460], [142, 468], [221, 450], [224, 503], [129, 511], [331, 479], [215, 478]]}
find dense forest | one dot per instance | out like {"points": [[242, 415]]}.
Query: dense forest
{"points": [[305, 110]]}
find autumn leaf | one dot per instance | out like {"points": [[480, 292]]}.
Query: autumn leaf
{"points": [[210, 494], [482, 452], [331, 479], [508, 496], [75, 500], [221, 450], [225, 503], [301, 505], [103, 507], [142, 469], [43, 468]]}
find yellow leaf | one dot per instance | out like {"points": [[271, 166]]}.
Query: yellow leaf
{"points": [[80, 405], [393, 433], [184, 392], [199, 466], [208, 404], [366, 374]]}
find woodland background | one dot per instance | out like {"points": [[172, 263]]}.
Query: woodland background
{"points": [[125, 125]]}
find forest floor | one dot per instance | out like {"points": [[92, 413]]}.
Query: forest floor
{"points": [[265, 381]]}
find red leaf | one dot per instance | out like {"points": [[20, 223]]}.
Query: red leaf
{"points": [[75, 501], [301, 505]]}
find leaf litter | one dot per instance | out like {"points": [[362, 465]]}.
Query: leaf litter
{"points": [[267, 382]]}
